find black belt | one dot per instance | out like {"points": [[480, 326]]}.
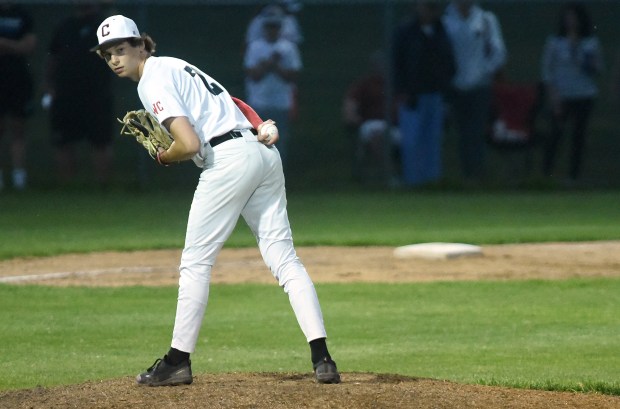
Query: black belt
{"points": [[226, 137]]}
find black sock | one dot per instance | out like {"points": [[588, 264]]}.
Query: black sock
{"points": [[175, 357], [318, 349]]}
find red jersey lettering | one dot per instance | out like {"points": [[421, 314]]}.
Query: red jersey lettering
{"points": [[157, 108]]}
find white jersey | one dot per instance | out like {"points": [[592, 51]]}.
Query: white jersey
{"points": [[565, 65], [171, 87], [271, 91], [478, 45]]}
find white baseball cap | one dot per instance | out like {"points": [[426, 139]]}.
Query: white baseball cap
{"points": [[115, 28]]}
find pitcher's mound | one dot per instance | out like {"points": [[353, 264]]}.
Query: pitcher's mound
{"points": [[295, 390]]}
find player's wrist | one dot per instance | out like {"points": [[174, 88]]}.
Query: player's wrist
{"points": [[160, 159]]}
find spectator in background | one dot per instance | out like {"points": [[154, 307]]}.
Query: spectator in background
{"points": [[272, 65], [423, 68], [364, 114], [570, 63], [17, 42], [290, 29], [480, 53], [78, 94]]}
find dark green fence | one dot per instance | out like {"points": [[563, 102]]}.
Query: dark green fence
{"points": [[338, 40]]}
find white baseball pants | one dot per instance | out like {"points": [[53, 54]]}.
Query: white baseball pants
{"points": [[241, 177]]}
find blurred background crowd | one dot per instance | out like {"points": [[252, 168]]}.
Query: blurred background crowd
{"points": [[398, 94]]}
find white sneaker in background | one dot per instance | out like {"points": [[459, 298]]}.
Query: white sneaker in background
{"points": [[19, 179]]}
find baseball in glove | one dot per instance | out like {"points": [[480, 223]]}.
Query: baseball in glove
{"points": [[147, 131]]}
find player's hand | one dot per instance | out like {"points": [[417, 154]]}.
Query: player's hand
{"points": [[268, 133]]}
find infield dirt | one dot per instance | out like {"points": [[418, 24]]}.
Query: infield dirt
{"points": [[325, 264]]}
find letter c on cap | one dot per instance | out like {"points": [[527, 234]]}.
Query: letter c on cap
{"points": [[105, 30]]}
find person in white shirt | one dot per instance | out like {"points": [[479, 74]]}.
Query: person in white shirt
{"points": [[479, 52], [272, 65], [571, 60], [241, 176]]}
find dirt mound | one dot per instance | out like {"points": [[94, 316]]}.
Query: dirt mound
{"points": [[269, 391]]}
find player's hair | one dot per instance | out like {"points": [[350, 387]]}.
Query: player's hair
{"points": [[149, 44], [583, 19]]}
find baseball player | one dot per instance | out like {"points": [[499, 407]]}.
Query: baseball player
{"points": [[242, 176]]}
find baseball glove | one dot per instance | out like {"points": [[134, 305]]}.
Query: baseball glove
{"points": [[147, 131]]}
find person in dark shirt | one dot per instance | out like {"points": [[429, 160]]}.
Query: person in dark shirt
{"points": [[423, 67], [17, 41], [78, 93]]}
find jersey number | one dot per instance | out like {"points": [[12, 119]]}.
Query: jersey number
{"points": [[212, 87]]}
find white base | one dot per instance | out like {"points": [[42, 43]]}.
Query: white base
{"points": [[437, 251]]}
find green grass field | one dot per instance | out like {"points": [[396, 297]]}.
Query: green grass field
{"points": [[49, 222], [534, 334], [559, 335]]}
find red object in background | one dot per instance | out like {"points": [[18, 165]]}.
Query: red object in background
{"points": [[514, 107], [514, 103]]}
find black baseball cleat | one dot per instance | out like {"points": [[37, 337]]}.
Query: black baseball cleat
{"points": [[163, 374], [325, 371]]}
